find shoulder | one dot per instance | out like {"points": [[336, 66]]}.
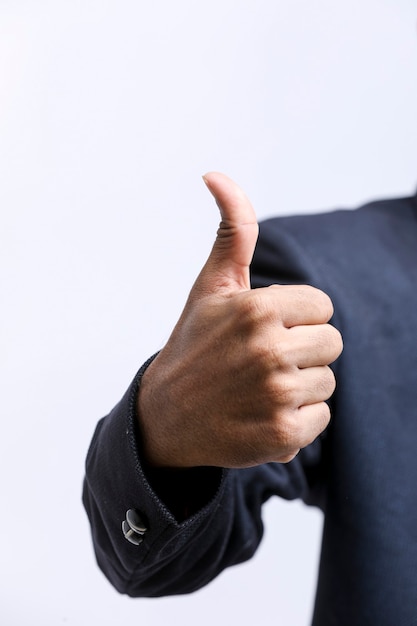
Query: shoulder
{"points": [[308, 246], [339, 225]]}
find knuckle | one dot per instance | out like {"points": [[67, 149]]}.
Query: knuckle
{"points": [[325, 303], [226, 231], [282, 355], [288, 456], [290, 434], [326, 383], [337, 341], [324, 338], [319, 420], [287, 431], [322, 416], [332, 380], [321, 300], [282, 390], [261, 354], [275, 358], [312, 430], [251, 308], [329, 341], [334, 336]]}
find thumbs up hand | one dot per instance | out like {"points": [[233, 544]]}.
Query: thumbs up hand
{"points": [[244, 377]]}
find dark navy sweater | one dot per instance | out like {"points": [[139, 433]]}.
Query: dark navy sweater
{"points": [[362, 471]]}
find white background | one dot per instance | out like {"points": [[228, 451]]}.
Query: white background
{"points": [[109, 114]]}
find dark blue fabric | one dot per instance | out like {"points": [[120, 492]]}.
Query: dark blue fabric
{"points": [[362, 472]]}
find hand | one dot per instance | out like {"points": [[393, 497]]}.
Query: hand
{"points": [[244, 377]]}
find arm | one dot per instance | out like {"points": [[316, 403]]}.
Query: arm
{"points": [[177, 555], [241, 382]]}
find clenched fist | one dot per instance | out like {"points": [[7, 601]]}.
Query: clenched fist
{"points": [[244, 377]]}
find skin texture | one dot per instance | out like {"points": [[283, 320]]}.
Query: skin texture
{"points": [[244, 377]]}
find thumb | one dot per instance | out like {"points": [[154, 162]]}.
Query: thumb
{"points": [[228, 264]]}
